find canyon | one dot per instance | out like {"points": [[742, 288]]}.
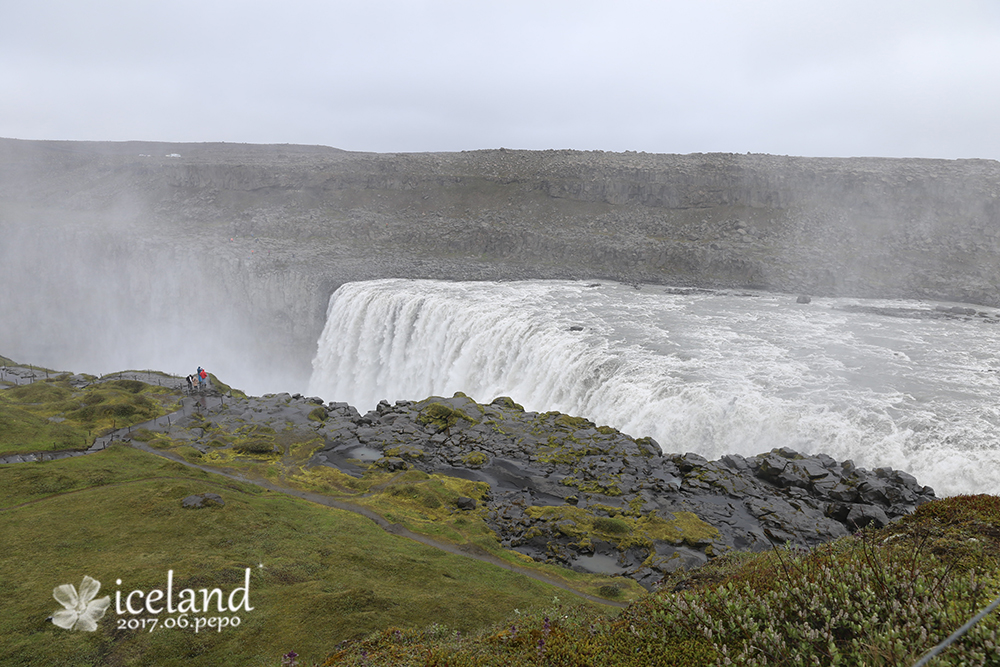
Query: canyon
{"points": [[151, 252]]}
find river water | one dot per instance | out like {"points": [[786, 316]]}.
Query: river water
{"points": [[711, 372]]}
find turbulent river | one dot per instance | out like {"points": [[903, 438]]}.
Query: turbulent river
{"points": [[707, 372]]}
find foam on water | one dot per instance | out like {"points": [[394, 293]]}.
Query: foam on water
{"points": [[711, 373]]}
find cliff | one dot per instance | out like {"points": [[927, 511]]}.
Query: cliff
{"points": [[266, 233]]}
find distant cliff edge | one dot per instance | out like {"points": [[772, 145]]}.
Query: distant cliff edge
{"points": [[118, 232]]}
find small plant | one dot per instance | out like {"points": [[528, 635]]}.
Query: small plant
{"points": [[474, 459], [254, 446], [609, 525]]}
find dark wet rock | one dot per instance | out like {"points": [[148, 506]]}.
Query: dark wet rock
{"points": [[565, 490], [861, 516], [200, 500], [689, 461], [803, 299], [391, 463]]}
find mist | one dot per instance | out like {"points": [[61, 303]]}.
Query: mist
{"points": [[98, 296], [167, 256]]}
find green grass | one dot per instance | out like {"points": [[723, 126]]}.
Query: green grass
{"points": [[327, 575], [52, 415], [879, 598], [422, 503]]}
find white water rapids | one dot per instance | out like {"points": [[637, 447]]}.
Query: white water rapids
{"points": [[708, 372]]}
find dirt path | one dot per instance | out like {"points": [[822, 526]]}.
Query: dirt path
{"points": [[206, 401]]}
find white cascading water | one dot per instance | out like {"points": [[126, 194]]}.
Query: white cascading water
{"points": [[707, 372]]}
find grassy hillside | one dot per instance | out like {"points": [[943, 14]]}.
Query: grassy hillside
{"points": [[318, 575], [328, 586], [57, 414], [877, 598]]}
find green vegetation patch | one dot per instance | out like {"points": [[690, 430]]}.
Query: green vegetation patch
{"points": [[507, 402], [475, 459], [318, 575], [604, 487], [555, 635], [883, 597], [52, 414], [224, 388], [442, 416], [318, 414], [622, 528], [575, 423], [566, 450]]}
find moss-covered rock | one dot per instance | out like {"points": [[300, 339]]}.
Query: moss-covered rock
{"points": [[507, 402], [475, 459], [442, 416], [318, 414]]}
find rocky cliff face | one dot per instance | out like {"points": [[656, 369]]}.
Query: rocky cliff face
{"points": [[254, 238]]}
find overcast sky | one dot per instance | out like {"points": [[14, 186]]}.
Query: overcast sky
{"points": [[897, 78]]}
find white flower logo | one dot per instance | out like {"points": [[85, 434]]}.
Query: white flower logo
{"points": [[81, 611]]}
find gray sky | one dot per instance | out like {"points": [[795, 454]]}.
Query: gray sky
{"points": [[897, 78]]}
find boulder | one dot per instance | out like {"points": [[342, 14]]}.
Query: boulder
{"points": [[861, 516]]}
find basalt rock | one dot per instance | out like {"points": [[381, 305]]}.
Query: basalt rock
{"points": [[567, 491]]}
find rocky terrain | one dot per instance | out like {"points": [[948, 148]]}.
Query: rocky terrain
{"points": [[561, 489], [566, 490], [254, 239]]}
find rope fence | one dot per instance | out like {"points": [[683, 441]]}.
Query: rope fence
{"points": [[958, 633]]}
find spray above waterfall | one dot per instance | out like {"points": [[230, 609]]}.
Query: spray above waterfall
{"points": [[708, 372]]}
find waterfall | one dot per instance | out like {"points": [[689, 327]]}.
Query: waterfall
{"points": [[712, 373]]}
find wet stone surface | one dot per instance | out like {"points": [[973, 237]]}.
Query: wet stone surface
{"points": [[592, 498]]}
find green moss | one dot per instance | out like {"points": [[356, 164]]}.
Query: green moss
{"points": [[38, 392], [575, 423], [318, 414], [131, 386], [189, 453], [224, 388], [612, 526], [143, 435], [592, 486], [474, 459], [611, 591], [254, 446], [685, 527], [405, 452], [507, 402], [442, 416], [647, 447]]}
